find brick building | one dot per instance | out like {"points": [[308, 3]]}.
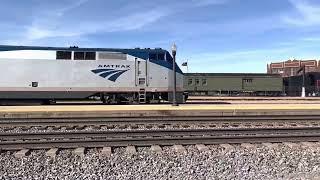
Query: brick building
{"points": [[290, 67]]}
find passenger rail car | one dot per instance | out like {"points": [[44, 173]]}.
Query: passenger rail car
{"points": [[114, 75], [233, 84]]}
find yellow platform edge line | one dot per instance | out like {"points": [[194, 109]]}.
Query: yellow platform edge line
{"points": [[74, 108]]}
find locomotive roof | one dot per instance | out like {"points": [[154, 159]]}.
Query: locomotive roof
{"points": [[137, 52], [233, 74]]}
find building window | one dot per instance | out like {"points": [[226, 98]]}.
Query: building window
{"points": [[63, 55], [190, 82], [204, 82], [197, 82]]}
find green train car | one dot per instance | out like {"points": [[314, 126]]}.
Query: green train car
{"points": [[233, 84]]}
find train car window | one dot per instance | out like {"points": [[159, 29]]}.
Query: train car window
{"points": [[63, 55], [197, 81], [247, 81], [90, 56], [190, 82], [78, 55], [161, 56], [152, 56], [204, 82]]}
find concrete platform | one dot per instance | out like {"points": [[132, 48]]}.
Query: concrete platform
{"points": [[156, 110]]}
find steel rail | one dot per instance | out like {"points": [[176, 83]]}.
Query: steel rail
{"points": [[154, 120], [150, 137]]}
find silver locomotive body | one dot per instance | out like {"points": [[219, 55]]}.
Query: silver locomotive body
{"points": [[113, 75]]}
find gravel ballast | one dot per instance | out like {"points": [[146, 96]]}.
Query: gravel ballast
{"points": [[259, 162]]}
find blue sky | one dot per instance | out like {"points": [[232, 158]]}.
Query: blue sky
{"points": [[213, 35]]}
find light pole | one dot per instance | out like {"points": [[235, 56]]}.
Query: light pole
{"points": [[174, 52], [303, 90]]}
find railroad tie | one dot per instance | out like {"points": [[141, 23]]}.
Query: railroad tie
{"points": [[106, 151], [291, 144], [22, 153], [179, 148], [227, 147], [309, 145], [156, 149], [202, 147], [131, 150], [270, 145], [79, 151], [247, 145], [52, 152]]}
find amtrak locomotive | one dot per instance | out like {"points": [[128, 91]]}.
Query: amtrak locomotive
{"points": [[48, 74]]}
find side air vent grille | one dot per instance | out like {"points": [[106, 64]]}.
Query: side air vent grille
{"points": [[108, 55]]}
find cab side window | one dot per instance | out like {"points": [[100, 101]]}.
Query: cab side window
{"points": [[90, 56], [78, 55], [153, 56], [84, 55], [161, 56], [63, 55]]}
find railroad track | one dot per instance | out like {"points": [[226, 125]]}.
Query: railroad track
{"points": [[144, 131], [157, 120], [11, 141], [154, 123]]}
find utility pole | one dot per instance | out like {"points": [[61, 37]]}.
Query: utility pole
{"points": [[174, 52], [303, 91]]}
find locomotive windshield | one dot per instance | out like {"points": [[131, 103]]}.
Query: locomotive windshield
{"points": [[157, 56], [164, 56]]}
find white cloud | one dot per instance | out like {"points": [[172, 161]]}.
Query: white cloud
{"points": [[243, 54], [55, 26], [51, 22], [307, 14], [66, 8], [311, 39], [209, 2]]}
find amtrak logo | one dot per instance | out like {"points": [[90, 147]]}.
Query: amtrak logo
{"points": [[110, 74]]}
